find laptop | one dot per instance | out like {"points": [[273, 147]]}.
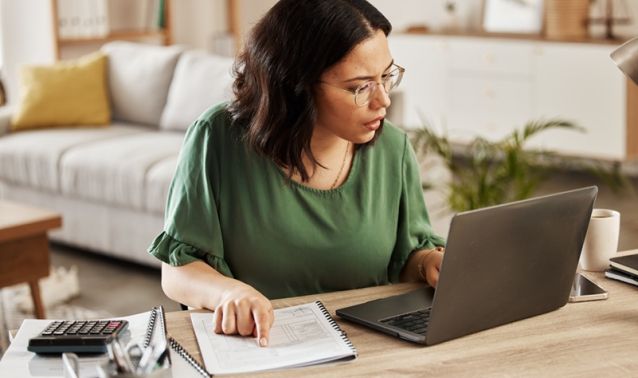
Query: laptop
{"points": [[503, 263]]}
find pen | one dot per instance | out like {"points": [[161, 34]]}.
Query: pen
{"points": [[107, 369], [113, 357], [144, 360], [121, 359], [157, 355], [71, 365]]}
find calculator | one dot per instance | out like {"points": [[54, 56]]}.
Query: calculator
{"points": [[77, 336]]}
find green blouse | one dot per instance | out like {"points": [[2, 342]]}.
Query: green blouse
{"points": [[238, 212]]}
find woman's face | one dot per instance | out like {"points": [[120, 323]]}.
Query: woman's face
{"points": [[338, 115]]}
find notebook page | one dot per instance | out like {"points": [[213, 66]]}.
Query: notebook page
{"points": [[301, 335]]}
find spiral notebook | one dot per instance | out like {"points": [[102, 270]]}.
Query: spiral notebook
{"points": [[300, 336], [182, 364]]}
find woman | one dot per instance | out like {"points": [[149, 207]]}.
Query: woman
{"points": [[293, 188]]}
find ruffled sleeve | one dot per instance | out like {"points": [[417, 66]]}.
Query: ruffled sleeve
{"points": [[414, 230], [177, 253], [192, 230]]}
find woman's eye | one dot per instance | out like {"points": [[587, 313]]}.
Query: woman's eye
{"points": [[365, 87], [389, 75]]}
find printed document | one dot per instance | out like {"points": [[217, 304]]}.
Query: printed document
{"points": [[301, 335]]}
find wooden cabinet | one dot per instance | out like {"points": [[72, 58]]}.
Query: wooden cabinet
{"points": [[477, 86], [484, 79], [90, 22], [580, 82]]}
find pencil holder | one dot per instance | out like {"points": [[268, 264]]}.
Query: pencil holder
{"points": [[106, 371]]}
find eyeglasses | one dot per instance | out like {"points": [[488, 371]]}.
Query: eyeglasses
{"points": [[364, 93]]}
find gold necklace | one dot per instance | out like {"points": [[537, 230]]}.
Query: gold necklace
{"points": [[343, 164]]}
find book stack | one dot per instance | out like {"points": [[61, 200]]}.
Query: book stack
{"points": [[82, 18], [624, 268], [99, 18]]}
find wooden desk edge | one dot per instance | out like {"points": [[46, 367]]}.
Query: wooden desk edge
{"points": [[179, 323]]}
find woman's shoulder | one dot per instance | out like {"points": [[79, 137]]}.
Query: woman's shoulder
{"points": [[215, 122], [392, 138], [215, 116]]}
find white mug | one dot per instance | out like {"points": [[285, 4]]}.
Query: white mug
{"points": [[601, 242]]}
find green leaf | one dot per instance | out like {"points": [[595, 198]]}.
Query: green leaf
{"points": [[501, 171]]}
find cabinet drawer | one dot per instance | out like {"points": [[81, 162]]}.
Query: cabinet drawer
{"points": [[487, 108], [502, 57]]}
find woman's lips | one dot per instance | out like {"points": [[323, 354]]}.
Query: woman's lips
{"points": [[374, 124]]}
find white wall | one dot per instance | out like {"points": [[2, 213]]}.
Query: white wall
{"points": [[403, 13], [429, 12], [197, 23], [24, 44], [202, 24]]}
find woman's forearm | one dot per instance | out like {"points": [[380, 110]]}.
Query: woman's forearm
{"points": [[410, 272], [421, 264], [196, 284]]}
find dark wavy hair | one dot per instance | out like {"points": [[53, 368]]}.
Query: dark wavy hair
{"points": [[284, 57]]}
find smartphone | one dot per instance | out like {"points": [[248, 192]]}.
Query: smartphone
{"points": [[585, 290]]}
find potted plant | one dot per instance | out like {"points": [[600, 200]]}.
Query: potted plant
{"points": [[494, 172]]}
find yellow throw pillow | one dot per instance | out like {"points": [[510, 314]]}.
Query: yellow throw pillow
{"points": [[69, 93]]}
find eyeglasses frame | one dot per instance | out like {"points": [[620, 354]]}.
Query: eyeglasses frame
{"points": [[355, 92]]}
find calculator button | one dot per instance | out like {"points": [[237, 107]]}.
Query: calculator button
{"points": [[97, 328], [62, 328], [85, 329], [74, 329], [51, 328], [65, 326]]}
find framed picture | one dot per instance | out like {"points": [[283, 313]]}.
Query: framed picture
{"points": [[513, 16]]}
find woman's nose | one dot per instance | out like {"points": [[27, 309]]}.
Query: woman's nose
{"points": [[381, 98]]}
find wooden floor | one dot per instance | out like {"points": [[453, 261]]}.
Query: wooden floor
{"points": [[117, 287]]}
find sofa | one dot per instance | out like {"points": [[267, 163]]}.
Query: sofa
{"points": [[110, 183]]}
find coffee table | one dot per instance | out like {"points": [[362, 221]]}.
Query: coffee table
{"points": [[24, 247]]}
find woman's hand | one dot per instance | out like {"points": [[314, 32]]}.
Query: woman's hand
{"points": [[245, 311], [430, 265]]}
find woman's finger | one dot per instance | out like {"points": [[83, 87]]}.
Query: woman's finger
{"points": [[263, 321], [218, 316], [229, 322], [244, 317]]}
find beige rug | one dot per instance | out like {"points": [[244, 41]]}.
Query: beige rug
{"points": [[57, 291]]}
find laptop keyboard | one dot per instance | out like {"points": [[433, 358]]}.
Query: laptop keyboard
{"points": [[416, 321]]}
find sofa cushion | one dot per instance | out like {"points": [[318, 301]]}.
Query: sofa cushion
{"points": [[31, 157], [201, 80], [139, 78], [158, 180], [114, 171], [68, 93]]}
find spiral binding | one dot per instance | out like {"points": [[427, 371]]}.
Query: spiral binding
{"points": [[151, 327], [334, 325], [160, 310], [177, 347]]}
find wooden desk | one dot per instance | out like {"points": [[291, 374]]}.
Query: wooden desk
{"points": [[597, 338], [24, 247]]}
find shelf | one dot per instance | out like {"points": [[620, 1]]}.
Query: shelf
{"points": [[133, 34], [527, 37], [147, 31]]}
